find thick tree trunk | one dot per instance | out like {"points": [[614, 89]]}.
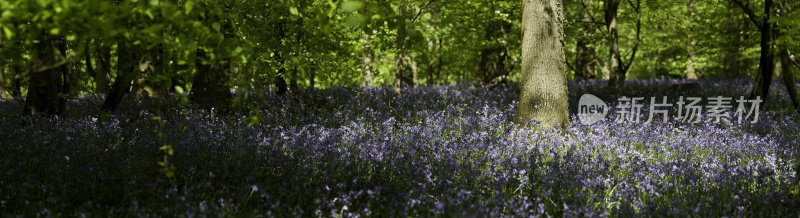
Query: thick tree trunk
{"points": [[614, 66], [788, 78], [766, 65], [368, 56], [690, 68], [127, 58], [45, 90], [544, 77]]}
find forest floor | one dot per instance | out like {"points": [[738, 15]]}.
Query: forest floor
{"points": [[441, 150]]}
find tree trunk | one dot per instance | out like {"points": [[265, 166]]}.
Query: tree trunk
{"points": [[45, 90], [209, 86], [492, 62], [16, 81], [614, 66], [544, 77], [584, 56], [368, 56], [2, 71], [398, 71], [312, 74], [127, 59], [103, 69], [690, 68], [766, 65], [788, 78]]}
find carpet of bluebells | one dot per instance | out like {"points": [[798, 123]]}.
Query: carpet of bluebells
{"points": [[441, 150]]}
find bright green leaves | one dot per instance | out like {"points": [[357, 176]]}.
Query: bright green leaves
{"points": [[188, 6], [352, 6]]}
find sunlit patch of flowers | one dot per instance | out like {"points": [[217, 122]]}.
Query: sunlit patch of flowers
{"points": [[442, 150]]}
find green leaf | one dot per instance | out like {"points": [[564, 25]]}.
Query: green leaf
{"points": [[189, 5], [293, 11], [8, 32], [351, 6]]}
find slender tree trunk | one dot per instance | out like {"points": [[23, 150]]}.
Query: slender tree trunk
{"points": [[414, 71], [103, 69], [312, 74], [544, 77], [16, 81], [690, 68], [584, 56], [293, 78], [127, 59], [614, 66], [398, 71], [45, 90], [368, 56], [788, 78], [766, 65], [2, 70]]}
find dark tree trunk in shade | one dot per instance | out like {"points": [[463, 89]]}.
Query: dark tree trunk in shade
{"points": [[788, 78], [544, 77], [126, 72], [209, 87], [46, 87], [766, 65], [492, 63], [585, 53], [16, 81], [2, 71]]}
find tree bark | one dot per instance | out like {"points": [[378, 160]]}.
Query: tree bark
{"points": [[690, 68], [544, 77], [492, 60], [127, 59], [2, 70], [46, 87], [788, 78], [209, 86], [368, 56], [584, 56], [766, 65], [103, 69], [610, 10]]}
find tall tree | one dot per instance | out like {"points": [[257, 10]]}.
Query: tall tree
{"points": [[616, 64], [45, 90], [765, 62], [787, 60], [544, 77], [691, 72], [367, 61], [585, 61]]}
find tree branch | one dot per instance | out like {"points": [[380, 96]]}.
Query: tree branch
{"points": [[591, 16], [793, 59], [638, 36], [748, 11]]}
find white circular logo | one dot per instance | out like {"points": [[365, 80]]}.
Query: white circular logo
{"points": [[591, 109]]}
